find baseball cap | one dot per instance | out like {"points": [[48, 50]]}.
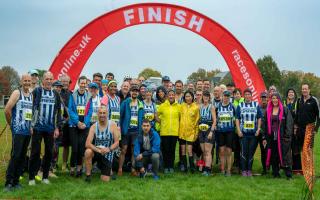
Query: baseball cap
{"points": [[104, 81], [57, 83], [165, 78], [33, 71], [93, 85], [134, 87], [263, 94], [226, 93]]}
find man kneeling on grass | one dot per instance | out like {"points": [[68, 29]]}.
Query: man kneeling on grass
{"points": [[101, 141], [147, 149]]}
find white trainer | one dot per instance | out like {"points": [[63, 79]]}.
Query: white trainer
{"points": [[46, 181], [32, 182]]}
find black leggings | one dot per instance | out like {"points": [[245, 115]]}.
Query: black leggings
{"points": [[18, 155], [168, 148], [35, 153], [78, 139]]}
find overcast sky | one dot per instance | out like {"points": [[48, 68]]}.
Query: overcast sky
{"points": [[33, 32]]}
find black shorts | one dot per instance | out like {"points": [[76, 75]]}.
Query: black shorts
{"points": [[129, 138], [65, 140], [184, 142], [225, 139], [103, 164], [203, 137]]}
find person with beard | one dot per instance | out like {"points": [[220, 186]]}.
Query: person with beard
{"points": [[179, 91], [131, 116]]}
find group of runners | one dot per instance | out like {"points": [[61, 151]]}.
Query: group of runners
{"points": [[134, 127]]}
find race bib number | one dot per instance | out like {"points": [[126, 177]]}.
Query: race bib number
{"points": [[28, 114], [225, 118], [149, 116], [115, 116], [203, 127], [80, 110], [62, 110], [134, 122], [249, 125]]}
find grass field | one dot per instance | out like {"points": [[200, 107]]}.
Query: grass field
{"points": [[177, 186]]}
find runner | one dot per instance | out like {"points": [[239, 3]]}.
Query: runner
{"points": [[147, 150], [114, 102], [248, 121], [45, 124], [188, 129], [65, 95], [109, 76], [150, 108], [77, 127], [207, 126], [263, 151], [225, 130], [34, 79], [123, 93], [161, 95], [97, 78], [101, 142], [18, 113], [216, 96], [306, 126], [131, 116], [278, 131], [206, 85], [95, 101], [104, 86], [165, 82], [199, 85], [198, 97], [142, 92], [179, 91], [236, 141], [169, 117]]}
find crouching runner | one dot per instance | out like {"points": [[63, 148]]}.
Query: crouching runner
{"points": [[102, 140], [147, 149]]}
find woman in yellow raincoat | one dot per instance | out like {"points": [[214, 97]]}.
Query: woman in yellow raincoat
{"points": [[188, 129]]}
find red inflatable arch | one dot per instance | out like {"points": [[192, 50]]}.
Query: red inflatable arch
{"points": [[73, 56]]}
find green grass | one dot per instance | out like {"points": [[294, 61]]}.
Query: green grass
{"points": [[177, 186]]}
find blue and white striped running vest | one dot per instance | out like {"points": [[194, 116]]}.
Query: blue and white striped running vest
{"points": [[205, 115], [22, 115], [46, 116], [225, 117], [149, 112], [81, 102], [96, 102], [248, 117], [114, 108], [104, 138]]}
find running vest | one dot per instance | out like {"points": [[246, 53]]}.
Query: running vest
{"points": [[22, 115], [114, 108], [46, 116], [225, 117], [95, 106], [81, 102], [205, 121], [104, 138], [215, 102], [134, 118], [248, 117], [149, 112]]}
